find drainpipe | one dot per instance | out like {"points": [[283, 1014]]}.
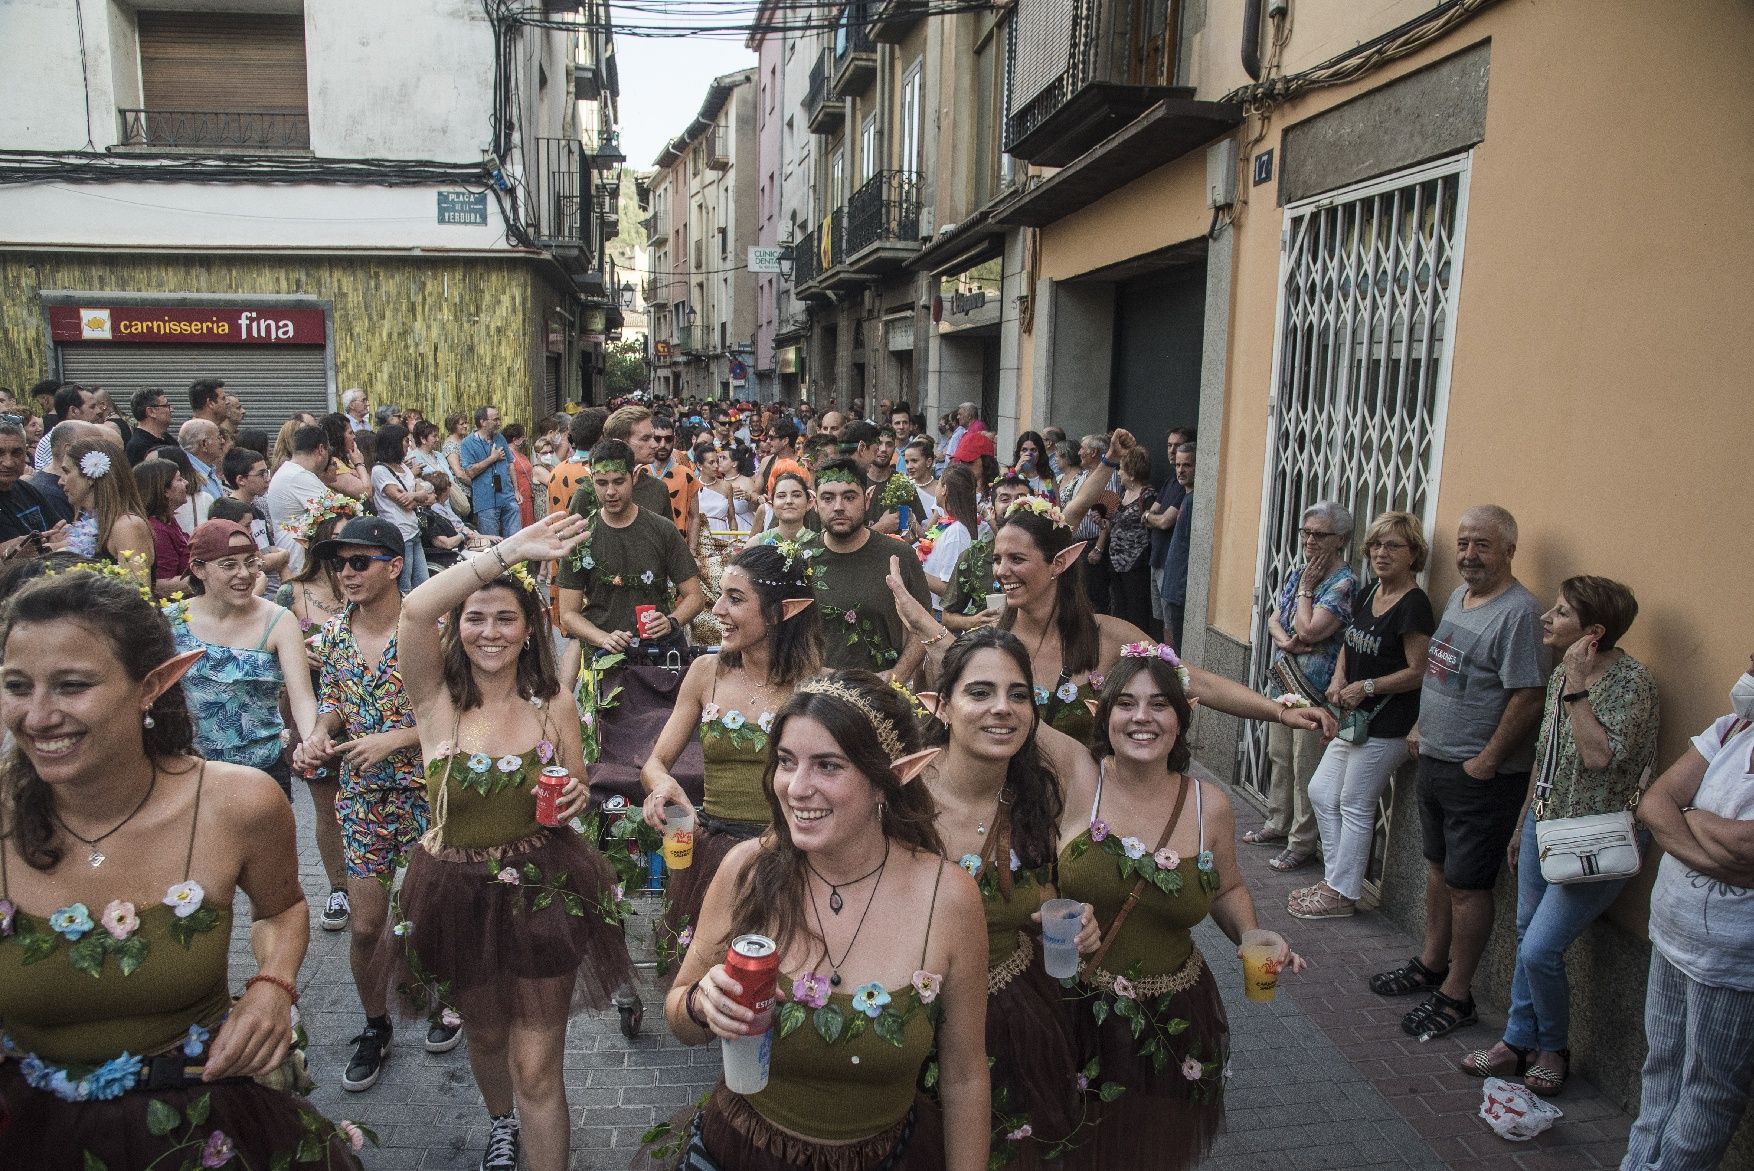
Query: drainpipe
{"points": [[1251, 39]]}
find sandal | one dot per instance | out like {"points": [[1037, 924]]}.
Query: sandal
{"points": [[1479, 1063], [1323, 902], [1546, 1081], [1439, 1016], [1291, 860], [1410, 977], [1263, 837]]}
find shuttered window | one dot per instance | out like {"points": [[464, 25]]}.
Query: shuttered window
{"points": [[221, 79], [272, 382]]}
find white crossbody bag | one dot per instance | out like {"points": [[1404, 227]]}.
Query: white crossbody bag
{"points": [[1597, 847]]}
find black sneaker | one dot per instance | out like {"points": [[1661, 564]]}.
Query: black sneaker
{"points": [[502, 1145], [442, 1035], [336, 911], [370, 1050]]}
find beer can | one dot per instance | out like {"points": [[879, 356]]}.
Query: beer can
{"points": [[548, 790], [642, 614], [754, 962]]}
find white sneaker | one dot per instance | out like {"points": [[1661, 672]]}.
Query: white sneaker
{"points": [[337, 911]]}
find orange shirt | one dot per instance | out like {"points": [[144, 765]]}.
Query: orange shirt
{"points": [[684, 488]]}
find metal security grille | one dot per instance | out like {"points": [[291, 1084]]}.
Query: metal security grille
{"points": [[272, 382], [1368, 283]]}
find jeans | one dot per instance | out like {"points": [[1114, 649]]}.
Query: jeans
{"points": [[414, 571], [1292, 756], [1344, 792], [1549, 918], [1696, 1073], [500, 519]]}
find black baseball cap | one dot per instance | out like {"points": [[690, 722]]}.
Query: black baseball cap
{"points": [[372, 531]]}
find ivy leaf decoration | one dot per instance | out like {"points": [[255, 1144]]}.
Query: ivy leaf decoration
{"points": [[199, 1109], [1176, 1028], [38, 945], [792, 1016], [891, 1027], [542, 901], [828, 1022], [1099, 1009], [161, 1118], [131, 953], [857, 1025], [184, 931], [1110, 1091], [93, 1163], [88, 955]]}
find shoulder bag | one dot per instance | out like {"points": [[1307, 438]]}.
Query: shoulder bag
{"points": [[1354, 725], [1597, 847]]}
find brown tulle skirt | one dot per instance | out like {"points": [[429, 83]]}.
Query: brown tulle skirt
{"points": [[535, 950], [737, 1137], [47, 1134], [1034, 1065], [685, 890], [1164, 1120]]}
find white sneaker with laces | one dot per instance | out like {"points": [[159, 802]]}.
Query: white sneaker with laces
{"points": [[337, 911]]}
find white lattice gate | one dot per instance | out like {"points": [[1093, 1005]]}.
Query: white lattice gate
{"points": [[1369, 278]]}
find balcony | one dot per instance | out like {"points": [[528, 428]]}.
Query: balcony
{"points": [[1073, 82], [693, 339], [718, 148], [829, 257], [855, 56], [806, 260], [214, 129], [554, 187], [587, 81], [607, 201], [823, 110], [892, 20], [883, 222]]}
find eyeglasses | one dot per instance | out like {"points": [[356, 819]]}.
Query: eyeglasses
{"points": [[1314, 534], [1389, 546], [232, 564], [359, 562]]}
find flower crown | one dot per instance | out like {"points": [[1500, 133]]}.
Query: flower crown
{"points": [[521, 573], [887, 735], [1161, 651], [94, 465], [133, 572], [913, 701], [1039, 505], [324, 506]]}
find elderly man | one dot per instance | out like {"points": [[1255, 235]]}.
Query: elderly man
{"points": [[357, 410], [200, 438], [1478, 709], [388, 414], [965, 414]]}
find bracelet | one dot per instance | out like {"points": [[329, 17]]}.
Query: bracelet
{"points": [[943, 633], [688, 1007], [1109, 463], [264, 978], [500, 557]]}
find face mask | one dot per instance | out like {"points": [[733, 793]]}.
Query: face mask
{"points": [[548, 459], [1742, 697]]}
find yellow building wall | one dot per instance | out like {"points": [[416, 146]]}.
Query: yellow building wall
{"points": [[439, 335]]}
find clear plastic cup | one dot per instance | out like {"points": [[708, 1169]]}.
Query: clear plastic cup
{"points": [[678, 837], [1059, 937], [996, 602]]}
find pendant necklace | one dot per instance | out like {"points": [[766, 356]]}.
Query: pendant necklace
{"points": [[835, 902], [834, 964], [97, 857]]}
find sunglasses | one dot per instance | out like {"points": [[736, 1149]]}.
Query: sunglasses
{"points": [[359, 562]]}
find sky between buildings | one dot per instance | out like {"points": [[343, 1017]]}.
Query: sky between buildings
{"points": [[664, 80]]}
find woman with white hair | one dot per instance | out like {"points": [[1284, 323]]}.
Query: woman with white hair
{"points": [[1307, 626]]}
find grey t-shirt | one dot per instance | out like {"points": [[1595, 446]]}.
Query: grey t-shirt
{"points": [[1478, 657]]}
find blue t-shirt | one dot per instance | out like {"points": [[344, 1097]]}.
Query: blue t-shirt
{"points": [[1335, 594], [493, 487], [1175, 558]]}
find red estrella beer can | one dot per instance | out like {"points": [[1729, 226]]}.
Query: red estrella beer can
{"points": [[754, 962], [641, 616], [548, 790]]}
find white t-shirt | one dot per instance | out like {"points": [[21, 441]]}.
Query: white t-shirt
{"points": [[941, 561], [288, 499], [403, 518]]}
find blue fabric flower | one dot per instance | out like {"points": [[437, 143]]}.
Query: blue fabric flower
{"points": [[71, 922], [195, 1041], [480, 762], [510, 764], [870, 999], [1041, 696], [1067, 691], [970, 863], [1204, 860], [114, 1077], [588, 562], [734, 720]]}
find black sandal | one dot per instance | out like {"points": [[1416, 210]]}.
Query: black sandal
{"points": [[1410, 977], [1479, 1063], [1438, 1016]]}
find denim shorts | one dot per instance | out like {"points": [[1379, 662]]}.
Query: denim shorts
{"points": [[1466, 823]]}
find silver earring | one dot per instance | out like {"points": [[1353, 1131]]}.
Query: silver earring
{"points": [[882, 808], [147, 721]]}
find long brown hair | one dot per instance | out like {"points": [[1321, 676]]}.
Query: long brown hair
{"points": [[796, 652], [537, 677], [139, 637], [113, 494], [1080, 641], [1169, 681], [771, 892]]}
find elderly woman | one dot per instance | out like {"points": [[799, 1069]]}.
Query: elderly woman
{"points": [[1699, 1003], [1597, 742], [1308, 626]]}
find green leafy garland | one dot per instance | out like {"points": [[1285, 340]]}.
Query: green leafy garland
{"points": [[214, 1148]]}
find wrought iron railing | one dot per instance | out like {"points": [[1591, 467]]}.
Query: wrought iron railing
{"points": [[807, 258], [225, 129], [553, 191], [718, 148], [837, 237], [1080, 68], [885, 209], [853, 32], [818, 93]]}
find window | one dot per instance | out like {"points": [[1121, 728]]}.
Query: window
{"points": [[837, 179], [226, 80], [868, 148], [910, 120]]}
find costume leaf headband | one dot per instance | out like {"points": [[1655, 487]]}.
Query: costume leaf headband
{"points": [[836, 476], [887, 736], [609, 467], [1158, 650]]}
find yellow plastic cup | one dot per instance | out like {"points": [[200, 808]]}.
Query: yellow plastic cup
{"points": [[678, 837], [1260, 973]]}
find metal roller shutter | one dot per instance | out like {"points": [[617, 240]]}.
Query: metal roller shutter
{"points": [[272, 382]]}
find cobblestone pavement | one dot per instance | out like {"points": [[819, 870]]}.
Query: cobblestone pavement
{"points": [[1322, 1074]]}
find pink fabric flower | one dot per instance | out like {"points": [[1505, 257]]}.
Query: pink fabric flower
{"points": [[709, 713], [1192, 1070], [1098, 830], [1020, 1133], [218, 1151], [350, 1131], [1124, 988], [684, 938], [1166, 859], [927, 985], [810, 990], [120, 920], [510, 876], [852, 617]]}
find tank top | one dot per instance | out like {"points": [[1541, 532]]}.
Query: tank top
{"points": [[166, 974], [735, 748], [811, 1081], [1156, 934], [233, 694], [1065, 707], [479, 801]]}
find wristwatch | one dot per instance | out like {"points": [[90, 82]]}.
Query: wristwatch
{"points": [[1370, 687], [1574, 696]]}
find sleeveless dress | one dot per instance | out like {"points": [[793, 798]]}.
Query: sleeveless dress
{"points": [[734, 810], [234, 697], [1173, 1106], [93, 1003], [1064, 707], [873, 1066], [501, 917]]}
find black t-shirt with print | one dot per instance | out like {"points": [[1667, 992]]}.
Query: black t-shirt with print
{"points": [[1375, 647]]}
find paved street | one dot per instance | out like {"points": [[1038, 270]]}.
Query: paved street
{"points": [[1323, 1074]]}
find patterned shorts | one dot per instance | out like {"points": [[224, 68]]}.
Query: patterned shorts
{"points": [[379, 827]]}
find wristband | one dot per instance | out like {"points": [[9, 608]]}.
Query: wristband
{"points": [[688, 1007], [284, 985], [1109, 463], [500, 557], [1574, 696]]}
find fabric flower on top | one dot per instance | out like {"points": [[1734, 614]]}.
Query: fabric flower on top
{"points": [[1124, 988], [120, 919], [709, 713], [970, 863], [1067, 691], [1166, 859], [870, 999], [1098, 830], [646, 578], [480, 762], [509, 763], [184, 898], [1191, 1069], [1134, 847], [71, 922], [810, 990], [927, 985], [734, 720], [765, 721], [544, 751], [8, 913], [1041, 696]]}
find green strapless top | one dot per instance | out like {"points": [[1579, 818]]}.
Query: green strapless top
{"points": [[736, 758], [486, 802], [1156, 934], [811, 1081], [80, 1002], [1069, 715]]}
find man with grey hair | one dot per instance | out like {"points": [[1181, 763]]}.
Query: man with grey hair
{"points": [[388, 414], [1478, 708], [200, 438], [354, 406], [966, 413], [1308, 626]]}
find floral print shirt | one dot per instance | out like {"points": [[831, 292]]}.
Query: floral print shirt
{"points": [[1336, 595], [370, 698], [1624, 701]]}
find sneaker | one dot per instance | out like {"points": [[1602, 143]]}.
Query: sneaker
{"points": [[502, 1145], [444, 1032], [337, 911], [370, 1050]]}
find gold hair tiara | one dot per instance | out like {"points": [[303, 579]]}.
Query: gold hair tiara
{"points": [[887, 735]]}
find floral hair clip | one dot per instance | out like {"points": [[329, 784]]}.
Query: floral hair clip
{"points": [[914, 702], [94, 465], [521, 572], [1160, 651], [324, 506], [1039, 505], [132, 572]]}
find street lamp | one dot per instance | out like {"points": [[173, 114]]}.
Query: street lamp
{"points": [[788, 254], [691, 316], [627, 294]]}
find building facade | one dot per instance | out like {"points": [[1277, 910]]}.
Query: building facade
{"points": [[216, 193]]}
